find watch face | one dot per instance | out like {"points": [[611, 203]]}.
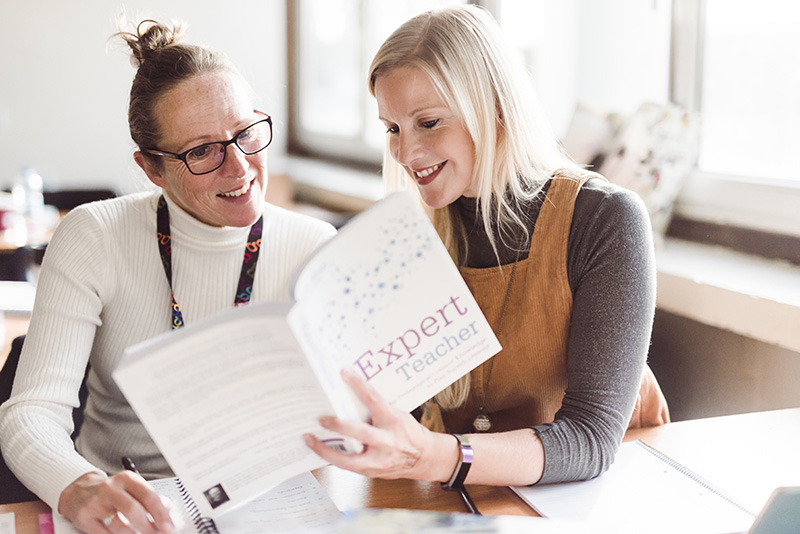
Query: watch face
{"points": [[463, 465], [466, 449]]}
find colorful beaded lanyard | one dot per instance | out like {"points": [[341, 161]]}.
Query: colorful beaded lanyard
{"points": [[246, 277]]}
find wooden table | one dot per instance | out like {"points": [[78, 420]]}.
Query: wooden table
{"points": [[26, 515], [350, 491], [748, 455]]}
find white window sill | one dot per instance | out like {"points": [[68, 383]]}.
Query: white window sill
{"points": [[757, 204], [333, 186], [748, 295]]}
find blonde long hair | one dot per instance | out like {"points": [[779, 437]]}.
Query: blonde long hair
{"points": [[474, 70]]}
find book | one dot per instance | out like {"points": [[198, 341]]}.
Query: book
{"points": [[643, 489], [296, 505], [228, 399]]}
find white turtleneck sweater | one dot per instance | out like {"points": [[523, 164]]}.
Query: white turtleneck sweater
{"points": [[102, 288]]}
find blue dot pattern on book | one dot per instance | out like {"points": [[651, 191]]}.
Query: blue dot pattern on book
{"points": [[368, 286]]}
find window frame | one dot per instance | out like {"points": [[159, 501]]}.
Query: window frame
{"points": [[352, 152], [753, 203]]}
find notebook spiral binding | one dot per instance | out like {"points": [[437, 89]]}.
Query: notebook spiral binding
{"points": [[204, 525], [696, 478]]}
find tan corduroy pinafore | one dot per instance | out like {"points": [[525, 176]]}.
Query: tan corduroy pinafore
{"points": [[529, 376]]}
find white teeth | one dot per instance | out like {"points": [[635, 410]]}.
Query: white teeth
{"points": [[427, 172], [239, 192]]}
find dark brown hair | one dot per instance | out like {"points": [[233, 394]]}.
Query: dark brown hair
{"points": [[162, 62]]}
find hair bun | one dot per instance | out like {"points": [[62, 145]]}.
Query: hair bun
{"points": [[149, 37]]}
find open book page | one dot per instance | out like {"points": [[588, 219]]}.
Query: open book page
{"points": [[62, 526], [385, 299], [227, 402], [296, 505], [643, 490]]}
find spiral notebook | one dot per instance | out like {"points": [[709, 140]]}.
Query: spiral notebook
{"points": [[298, 505], [643, 488]]}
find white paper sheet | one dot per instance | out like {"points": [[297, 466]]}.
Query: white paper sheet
{"points": [[7, 525]]}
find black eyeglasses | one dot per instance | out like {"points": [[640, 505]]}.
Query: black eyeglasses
{"points": [[209, 157]]}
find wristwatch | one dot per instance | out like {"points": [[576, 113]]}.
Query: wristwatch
{"points": [[462, 468]]}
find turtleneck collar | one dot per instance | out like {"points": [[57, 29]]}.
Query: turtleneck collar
{"points": [[480, 253], [191, 231], [467, 209]]}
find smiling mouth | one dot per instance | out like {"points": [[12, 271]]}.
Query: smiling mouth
{"points": [[239, 192], [424, 173]]}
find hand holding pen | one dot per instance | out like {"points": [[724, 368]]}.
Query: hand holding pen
{"points": [[144, 510], [177, 519], [124, 502]]}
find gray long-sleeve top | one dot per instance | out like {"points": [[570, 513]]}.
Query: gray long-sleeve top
{"points": [[612, 276]]}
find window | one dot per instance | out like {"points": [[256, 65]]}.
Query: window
{"points": [[734, 61], [750, 89], [332, 114]]}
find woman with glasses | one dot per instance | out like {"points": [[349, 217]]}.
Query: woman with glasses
{"points": [[122, 271], [560, 261]]}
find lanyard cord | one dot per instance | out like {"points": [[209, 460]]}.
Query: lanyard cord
{"points": [[245, 287]]}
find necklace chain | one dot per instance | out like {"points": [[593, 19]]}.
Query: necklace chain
{"points": [[483, 422]]}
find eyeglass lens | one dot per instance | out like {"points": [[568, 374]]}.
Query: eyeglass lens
{"points": [[209, 157]]}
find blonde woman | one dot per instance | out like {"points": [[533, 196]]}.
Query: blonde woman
{"points": [[560, 260]]}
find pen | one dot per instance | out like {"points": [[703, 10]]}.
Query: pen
{"points": [[468, 501], [128, 464]]}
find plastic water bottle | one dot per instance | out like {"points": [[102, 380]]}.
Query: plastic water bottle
{"points": [[28, 199], [27, 192]]}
